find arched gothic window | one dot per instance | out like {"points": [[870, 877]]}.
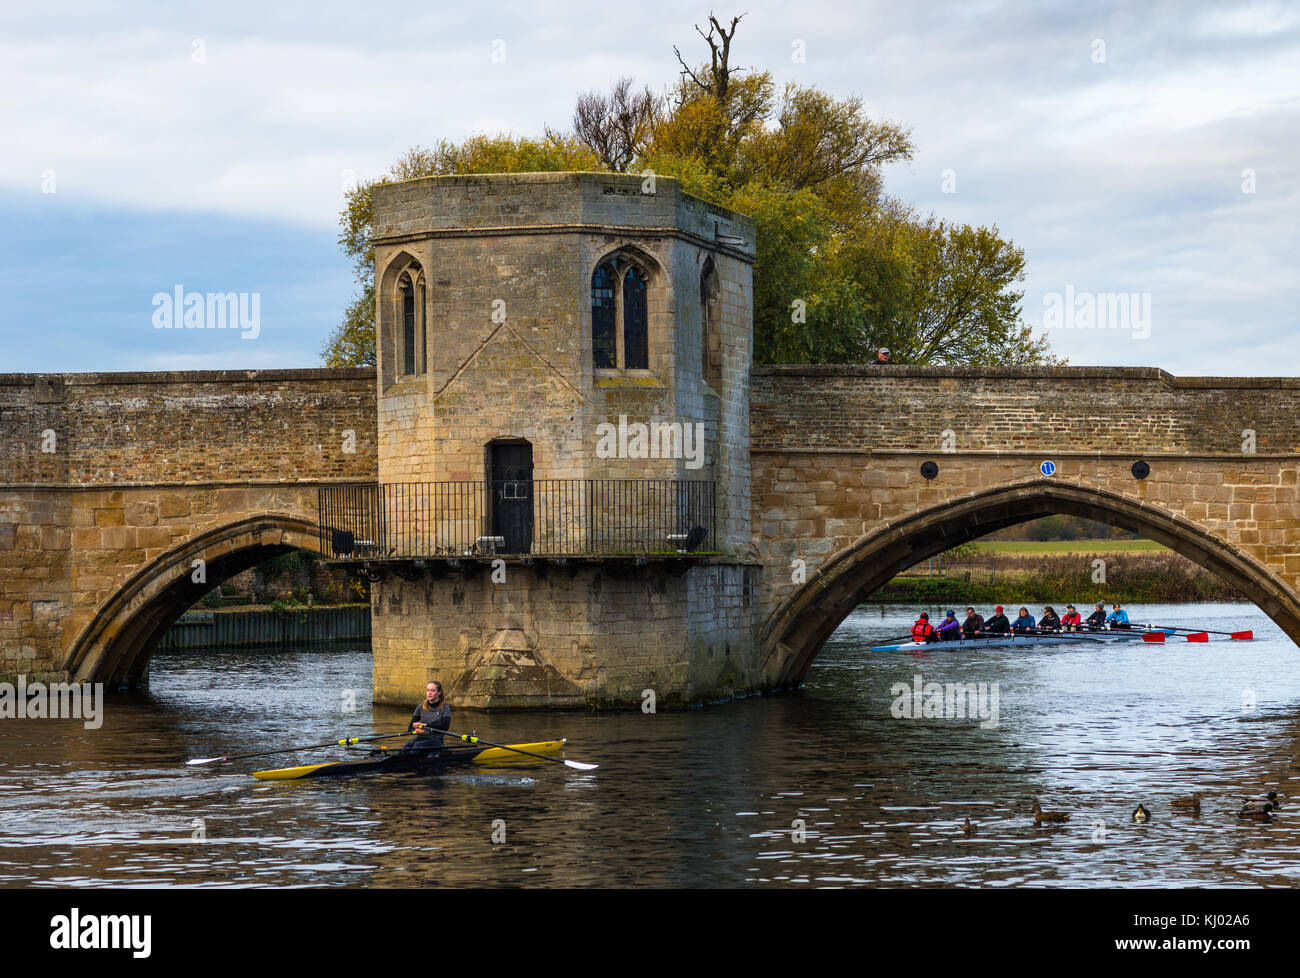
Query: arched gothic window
{"points": [[411, 351], [603, 342], [710, 325], [620, 319], [636, 331]]}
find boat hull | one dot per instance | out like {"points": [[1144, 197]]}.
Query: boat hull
{"points": [[1018, 641], [434, 759]]}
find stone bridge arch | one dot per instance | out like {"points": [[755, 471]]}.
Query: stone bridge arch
{"points": [[117, 644], [798, 627]]}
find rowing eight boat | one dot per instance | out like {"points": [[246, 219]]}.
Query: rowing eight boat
{"points": [[1065, 638]]}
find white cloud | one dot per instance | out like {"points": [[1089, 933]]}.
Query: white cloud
{"points": [[1125, 174]]}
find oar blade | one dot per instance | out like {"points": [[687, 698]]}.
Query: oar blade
{"points": [[1153, 636], [1198, 636], [580, 766], [1245, 636], [206, 760]]}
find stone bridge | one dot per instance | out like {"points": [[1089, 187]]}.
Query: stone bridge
{"points": [[124, 498], [117, 489], [837, 456]]}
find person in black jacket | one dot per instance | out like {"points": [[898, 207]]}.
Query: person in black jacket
{"points": [[998, 624], [1049, 622], [1097, 620], [973, 624], [433, 715]]}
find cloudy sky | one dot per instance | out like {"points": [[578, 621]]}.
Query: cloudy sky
{"points": [[1142, 149]]}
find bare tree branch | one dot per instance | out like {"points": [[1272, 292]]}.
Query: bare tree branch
{"points": [[720, 70], [617, 128]]}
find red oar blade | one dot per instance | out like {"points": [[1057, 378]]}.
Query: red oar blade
{"points": [[1198, 637], [1244, 636], [1153, 636]]}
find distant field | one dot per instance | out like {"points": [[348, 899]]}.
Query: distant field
{"points": [[1029, 570], [1067, 546]]}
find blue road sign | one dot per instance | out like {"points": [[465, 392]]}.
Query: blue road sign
{"points": [[1048, 467]]}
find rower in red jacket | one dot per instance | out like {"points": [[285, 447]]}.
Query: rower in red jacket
{"points": [[923, 631], [1071, 621]]}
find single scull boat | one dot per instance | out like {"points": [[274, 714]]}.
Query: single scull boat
{"points": [[407, 759]]}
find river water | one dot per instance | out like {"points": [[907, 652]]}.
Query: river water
{"points": [[824, 787]]}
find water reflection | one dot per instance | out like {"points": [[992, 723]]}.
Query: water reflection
{"points": [[824, 787]]}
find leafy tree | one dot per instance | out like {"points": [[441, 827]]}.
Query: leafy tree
{"points": [[841, 268], [941, 293]]}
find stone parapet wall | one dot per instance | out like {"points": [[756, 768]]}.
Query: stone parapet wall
{"points": [[187, 427], [545, 203], [1133, 410]]}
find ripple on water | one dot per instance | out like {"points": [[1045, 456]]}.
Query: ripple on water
{"points": [[826, 788]]}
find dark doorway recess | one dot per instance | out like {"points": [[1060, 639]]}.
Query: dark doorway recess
{"points": [[510, 480]]}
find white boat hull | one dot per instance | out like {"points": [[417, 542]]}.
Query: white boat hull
{"points": [[1004, 641]]}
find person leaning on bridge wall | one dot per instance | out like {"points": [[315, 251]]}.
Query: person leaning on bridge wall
{"points": [[882, 357]]}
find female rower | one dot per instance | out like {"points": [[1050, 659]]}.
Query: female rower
{"points": [[1097, 620], [1025, 623], [1049, 621], [1118, 618], [432, 715], [1070, 621], [950, 628]]}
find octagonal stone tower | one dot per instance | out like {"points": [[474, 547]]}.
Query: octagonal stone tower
{"points": [[562, 515]]}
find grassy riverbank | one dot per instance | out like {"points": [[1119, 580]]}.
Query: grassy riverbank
{"points": [[1032, 547], [1159, 576]]}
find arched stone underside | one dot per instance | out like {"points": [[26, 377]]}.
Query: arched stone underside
{"points": [[116, 646], [797, 629]]}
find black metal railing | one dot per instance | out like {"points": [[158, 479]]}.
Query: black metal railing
{"points": [[545, 517]]}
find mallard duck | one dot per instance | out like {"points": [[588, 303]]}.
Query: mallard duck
{"points": [[1271, 798], [967, 829], [1041, 816], [1264, 814], [1192, 801], [1140, 814]]}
